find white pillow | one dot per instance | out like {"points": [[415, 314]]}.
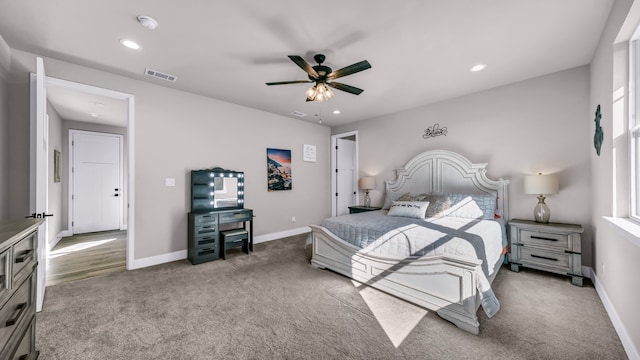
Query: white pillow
{"points": [[412, 209]]}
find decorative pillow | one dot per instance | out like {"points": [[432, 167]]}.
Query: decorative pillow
{"points": [[412, 209], [472, 206], [406, 197], [438, 205]]}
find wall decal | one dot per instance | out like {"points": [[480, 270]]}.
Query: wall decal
{"points": [[599, 135], [434, 131], [278, 169]]}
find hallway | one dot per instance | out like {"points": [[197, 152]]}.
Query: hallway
{"points": [[86, 255]]}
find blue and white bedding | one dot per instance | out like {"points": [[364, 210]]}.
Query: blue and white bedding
{"points": [[401, 237]]}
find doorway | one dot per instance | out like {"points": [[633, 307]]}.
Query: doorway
{"points": [[49, 87], [344, 167]]}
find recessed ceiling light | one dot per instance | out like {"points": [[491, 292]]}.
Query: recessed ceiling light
{"points": [[94, 115], [98, 104], [130, 44], [336, 111], [478, 67]]}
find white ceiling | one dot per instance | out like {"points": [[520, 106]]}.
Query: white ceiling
{"points": [[420, 51]]}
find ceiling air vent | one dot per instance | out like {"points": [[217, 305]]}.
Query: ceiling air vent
{"points": [[160, 75], [298, 114]]}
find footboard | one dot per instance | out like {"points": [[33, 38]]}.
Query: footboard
{"points": [[445, 284]]}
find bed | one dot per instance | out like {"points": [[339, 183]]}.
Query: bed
{"points": [[445, 260]]}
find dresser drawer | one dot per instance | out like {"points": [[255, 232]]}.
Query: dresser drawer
{"points": [[546, 239], [545, 259], [205, 231], [18, 307], [235, 216], [206, 241], [26, 350], [205, 219], [24, 253]]}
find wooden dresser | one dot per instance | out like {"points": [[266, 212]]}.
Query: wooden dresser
{"points": [[18, 263], [204, 240]]}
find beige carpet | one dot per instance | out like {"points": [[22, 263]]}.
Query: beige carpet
{"points": [[272, 304]]}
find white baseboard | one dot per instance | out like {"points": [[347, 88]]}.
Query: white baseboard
{"points": [[627, 343], [56, 240], [158, 259], [274, 236], [181, 255]]}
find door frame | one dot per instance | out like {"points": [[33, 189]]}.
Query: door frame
{"points": [[130, 99], [334, 164], [71, 178]]}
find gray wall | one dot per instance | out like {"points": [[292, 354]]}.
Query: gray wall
{"points": [[176, 132], [54, 205], [616, 258], [537, 125], [5, 63]]}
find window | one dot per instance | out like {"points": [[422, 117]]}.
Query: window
{"points": [[634, 130]]}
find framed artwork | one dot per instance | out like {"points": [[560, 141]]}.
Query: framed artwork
{"points": [[56, 166], [278, 169]]}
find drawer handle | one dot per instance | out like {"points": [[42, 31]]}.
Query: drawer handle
{"points": [[24, 256], [20, 308], [542, 238], [543, 257]]}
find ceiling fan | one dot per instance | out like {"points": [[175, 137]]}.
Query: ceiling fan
{"points": [[323, 76]]}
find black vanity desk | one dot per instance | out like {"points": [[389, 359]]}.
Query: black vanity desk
{"points": [[204, 232]]}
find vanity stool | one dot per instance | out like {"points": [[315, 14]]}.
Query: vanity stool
{"points": [[232, 239]]}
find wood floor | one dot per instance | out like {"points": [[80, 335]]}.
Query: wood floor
{"points": [[86, 255]]}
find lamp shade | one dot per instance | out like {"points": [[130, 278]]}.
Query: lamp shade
{"points": [[541, 184], [367, 183]]}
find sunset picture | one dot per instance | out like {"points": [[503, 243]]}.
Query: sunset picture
{"points": [[278, 169]]}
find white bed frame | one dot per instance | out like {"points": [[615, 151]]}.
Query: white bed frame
{"points": [[446, 283]]}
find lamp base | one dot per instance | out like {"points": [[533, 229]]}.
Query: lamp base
{"points": [[541, 212], [367, 199]]}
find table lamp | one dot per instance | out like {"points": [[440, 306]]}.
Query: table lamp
{"points": [[541, 185], [367, 183]]}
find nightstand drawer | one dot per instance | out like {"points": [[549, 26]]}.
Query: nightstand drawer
{"points": [[547, 239], [545, 259]]}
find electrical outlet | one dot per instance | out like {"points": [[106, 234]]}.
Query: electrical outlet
{"points": [[293, 219]]}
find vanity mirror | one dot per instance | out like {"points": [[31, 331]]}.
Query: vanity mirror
{"points": [[217, 188]]}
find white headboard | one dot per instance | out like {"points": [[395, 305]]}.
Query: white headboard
{"points": [[442, 172]]}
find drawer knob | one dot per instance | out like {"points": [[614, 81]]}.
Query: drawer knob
{"points": [[24, 256], [543, 238], [20, 309], [543, 257]]}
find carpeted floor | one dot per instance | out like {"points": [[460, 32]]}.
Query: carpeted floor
{"points": [[272, 304]]}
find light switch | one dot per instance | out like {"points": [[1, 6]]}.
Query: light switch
{"points": [[169, 182]]}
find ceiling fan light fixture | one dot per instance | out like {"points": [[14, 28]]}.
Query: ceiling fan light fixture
{"points": [[319, 93]]}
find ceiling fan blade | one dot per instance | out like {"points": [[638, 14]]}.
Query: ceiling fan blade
{"points": [[351, 69], [289, 82], [304, 65], [345, 87]]}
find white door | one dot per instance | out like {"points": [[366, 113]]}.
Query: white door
{"points": [[345, 176], [39, 171], [97, 191]]}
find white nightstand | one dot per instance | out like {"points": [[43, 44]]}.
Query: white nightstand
{"points": [[552, 247]]}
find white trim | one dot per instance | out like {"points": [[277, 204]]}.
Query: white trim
{"points": [[130, 226], [182, 254], [623, 334], [274, 236], [56, 240], [334, 142], [627, 227], [158, 259]]}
